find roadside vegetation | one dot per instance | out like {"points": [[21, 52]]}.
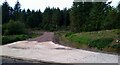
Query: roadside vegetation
{"points": [[15, 31], [13, 38], [106, 40]]}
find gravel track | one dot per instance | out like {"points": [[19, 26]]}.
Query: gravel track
{"points": [[57, 52], [47, 36]]}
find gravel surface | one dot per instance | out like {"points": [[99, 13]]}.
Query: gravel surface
{"points": [[43, 48], [47, 36]]}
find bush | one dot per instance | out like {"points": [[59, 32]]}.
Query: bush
{"points": [[116, 46], [14, 27], [13, 38], [100, 43], [68, 34]]}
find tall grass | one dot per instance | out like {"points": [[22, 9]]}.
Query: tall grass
{"points": [[96, 39]]}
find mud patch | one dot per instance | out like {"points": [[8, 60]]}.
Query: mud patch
{"points": [[63, 48], [20, 47]]}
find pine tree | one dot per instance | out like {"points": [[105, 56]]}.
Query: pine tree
{"points": [[47, 19], [56, 18], [23, 16], [17, 11], [96, 16], [5, 12], [65, 18], [76, 16]]}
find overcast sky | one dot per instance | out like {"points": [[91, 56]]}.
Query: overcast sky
{"points": [[42, 4]]}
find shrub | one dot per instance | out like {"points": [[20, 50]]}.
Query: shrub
{"points": [[13, 38], [116, 46], [14, 27], [100, 43], [68, 34]]}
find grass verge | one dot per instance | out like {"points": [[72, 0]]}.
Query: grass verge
{"points": [[106, 40]]}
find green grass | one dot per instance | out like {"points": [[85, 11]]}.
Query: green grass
{"points": [[100, 40], [79, 39]]}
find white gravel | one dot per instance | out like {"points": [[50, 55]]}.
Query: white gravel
{"points": [[51, 52]]}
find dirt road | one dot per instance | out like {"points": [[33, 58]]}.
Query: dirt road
{"points": [[47, 36]]}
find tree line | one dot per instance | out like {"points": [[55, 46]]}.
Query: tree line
{"points": [[82, 16]]}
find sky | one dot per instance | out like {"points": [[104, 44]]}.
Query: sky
{"points": [[42, 4]]}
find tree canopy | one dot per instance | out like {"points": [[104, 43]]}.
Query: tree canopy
{"points": [[82, 16]]}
